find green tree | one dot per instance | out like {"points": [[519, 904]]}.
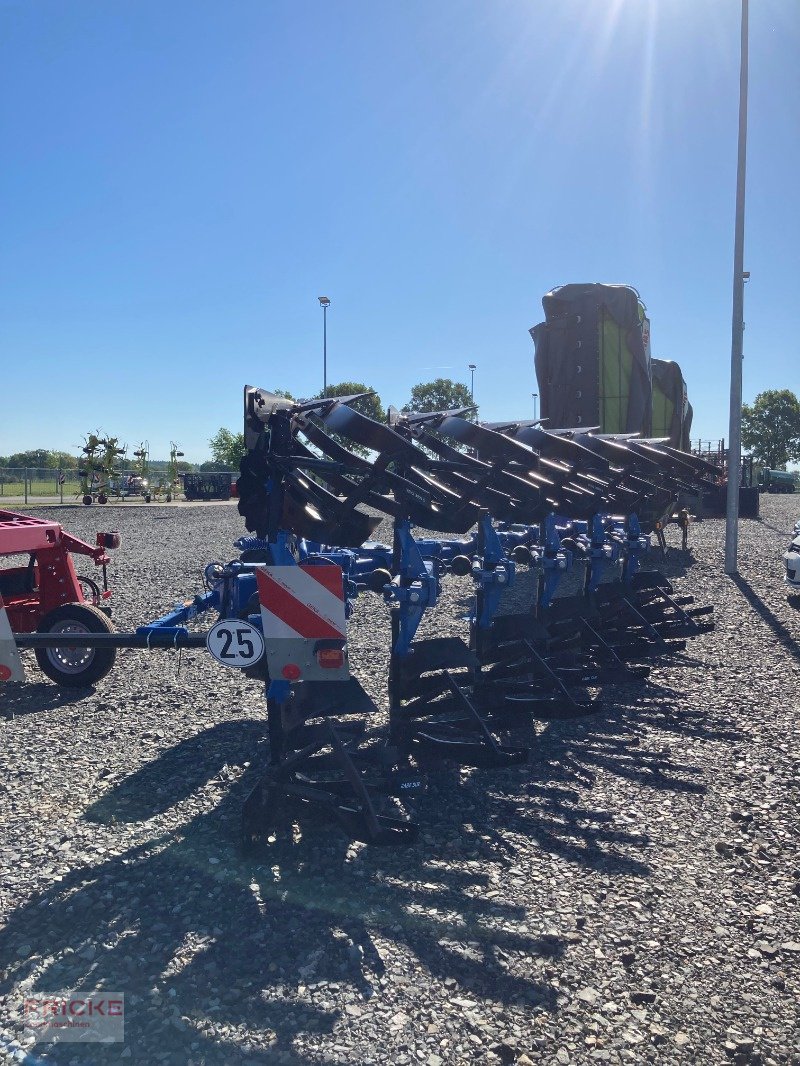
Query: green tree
{"points": [[227, 449], [443, 394], [368, 405], [771, 428], [40, 458], [64, 460]]}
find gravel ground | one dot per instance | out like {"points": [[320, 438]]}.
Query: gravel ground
{"points": [[630, 896]]}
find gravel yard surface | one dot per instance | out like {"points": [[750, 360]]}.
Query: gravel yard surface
{"points": [[633, 895]]}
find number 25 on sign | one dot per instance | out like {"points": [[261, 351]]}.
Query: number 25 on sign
{"points": [[235, 643]]}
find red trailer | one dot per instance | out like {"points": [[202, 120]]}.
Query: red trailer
{"points": [[47, 596]]}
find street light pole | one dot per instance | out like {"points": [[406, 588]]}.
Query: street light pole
{"points": [[737, 332], [472, 367], [324, 303], [535, 396]]}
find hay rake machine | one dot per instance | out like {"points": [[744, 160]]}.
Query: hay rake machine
{"points": [[561, 505], [98, 468]]}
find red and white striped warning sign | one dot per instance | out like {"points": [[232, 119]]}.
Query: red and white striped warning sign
{"points": [[11, 668], [302, 601]]}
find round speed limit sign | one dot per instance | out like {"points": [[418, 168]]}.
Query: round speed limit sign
{"points": [[235, 643]]}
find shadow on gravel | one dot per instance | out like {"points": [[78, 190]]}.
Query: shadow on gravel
{"points": [[659, 706], [175, 925], [214, 952], [203, 761], [788, 533], [33, 697], [557, 814], [676, 563], [783, 634]]}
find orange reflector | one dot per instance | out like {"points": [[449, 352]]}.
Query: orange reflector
{"points": [[330, 658], [291, 671]]}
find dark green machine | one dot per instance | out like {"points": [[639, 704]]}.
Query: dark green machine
{"points": [[672, 412], [776, 481], [591, 363]]}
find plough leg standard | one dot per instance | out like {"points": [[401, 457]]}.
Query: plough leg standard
{"points": [[501, 497]]}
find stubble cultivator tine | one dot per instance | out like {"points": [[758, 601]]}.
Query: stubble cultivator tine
{"points": [[322, 780], [457, 732]]}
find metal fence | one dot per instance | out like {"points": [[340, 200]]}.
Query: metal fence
{"points": [[17, 483]]}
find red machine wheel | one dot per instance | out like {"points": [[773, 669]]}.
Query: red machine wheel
{"points": [[75, 667]]}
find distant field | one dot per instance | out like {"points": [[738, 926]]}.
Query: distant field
{"points": [[43, 488], [48, 487]]}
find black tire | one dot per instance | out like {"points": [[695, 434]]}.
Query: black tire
{"points": [[76, 667], [147, 497], [87, 500], [169, 497], [102, 498]]}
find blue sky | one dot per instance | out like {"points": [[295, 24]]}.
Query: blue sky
{"points": [[180, 181]]}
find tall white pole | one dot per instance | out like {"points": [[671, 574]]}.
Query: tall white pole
{"points": [[324, 350], [737, 338], [324, 303]]}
